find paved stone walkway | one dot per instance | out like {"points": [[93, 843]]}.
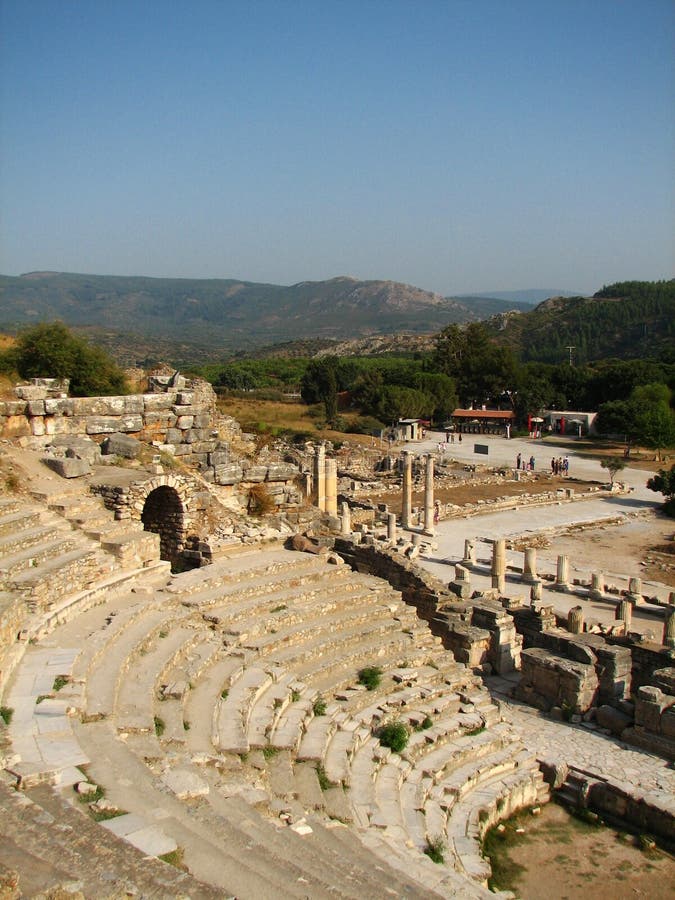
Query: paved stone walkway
{"points": [[584, 747]]}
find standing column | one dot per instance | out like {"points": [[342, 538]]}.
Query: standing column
{"points": [[624, 613], [669, 626], [345, 518], [575, 620], [391, 527], [635, 590], [331, 487], [499, 565], [319, 491], [562, 578], [429, 496], [530, 565], [469, 553], [597, 591], [406, 510]]}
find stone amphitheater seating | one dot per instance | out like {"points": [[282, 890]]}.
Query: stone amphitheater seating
{"points": [[194, 700]]}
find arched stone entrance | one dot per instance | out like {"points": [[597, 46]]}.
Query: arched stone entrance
{"points": [[163, 514]]}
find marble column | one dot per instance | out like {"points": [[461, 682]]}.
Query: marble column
{"points": [[597, 591], [535, 592], [469, 553], [529, 565], [499, 557], [624, 613], [575, 620], [635, 590], [562, 577], [429, 496], [669, 626], [406, 510], [331, 487], [391, 527], [319, 491], [345, 518]]}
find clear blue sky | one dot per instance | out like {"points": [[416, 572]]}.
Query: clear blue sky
{"points": [[465, 145]]}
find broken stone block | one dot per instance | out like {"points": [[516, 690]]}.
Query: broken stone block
{"points": [[69, 467], [123, 445]]}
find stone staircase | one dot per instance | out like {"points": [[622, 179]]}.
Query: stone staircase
{"points": [[222, 713]]}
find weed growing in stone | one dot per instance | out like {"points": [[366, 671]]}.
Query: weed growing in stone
{"points": [[324, 780], [98, 794], [224, 694], [394, 735], [295, 696], [279, 608], [270, 752], [60, 681], [174, 858], [160, 725], [186, 725], [435, 849], [473, 731], [6, 713], [319, 707], [370, 677], [426, 722]]}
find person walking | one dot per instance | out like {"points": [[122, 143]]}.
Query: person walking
{"points": [[532, 463], [518, 460]]}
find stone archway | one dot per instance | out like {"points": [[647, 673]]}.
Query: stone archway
{"points": [[164, 514]]}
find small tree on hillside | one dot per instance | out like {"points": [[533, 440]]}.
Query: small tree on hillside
{"points": [[664, 483], [50, 350], [614, 465]]}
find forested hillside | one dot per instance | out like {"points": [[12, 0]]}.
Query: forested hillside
{"points": [[628, 320]]}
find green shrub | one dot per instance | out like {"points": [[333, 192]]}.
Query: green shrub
{"points": [[370, 677], [435, 849], [319, 707], [159, 726], [6, 713], [427, 722], [324, 780], [394, 735]]}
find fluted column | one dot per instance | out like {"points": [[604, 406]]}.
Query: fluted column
{"points": [[331, 487], [319, 491], [406, 509], [429, 496]]}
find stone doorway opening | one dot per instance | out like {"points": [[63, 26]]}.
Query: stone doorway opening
{"points": [[163, 514]]}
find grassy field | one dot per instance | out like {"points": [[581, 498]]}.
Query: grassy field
{"points": [[258, 415]]}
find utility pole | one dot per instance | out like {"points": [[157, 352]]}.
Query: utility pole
{"points": [[570, 349]]}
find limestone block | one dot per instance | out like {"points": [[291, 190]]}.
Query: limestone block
{"points": [[184, 422], [181, 449], [13, 408], [187, 410], [77, 445], [202, 447], [37, 426], [110, 424], [108, 406], [163, 417], [122, 445], [36, 408], [668, 723], [648, 705], [154, 402], [203, 420], [612, 719], [174, 436], [59, 406], [30, 391], [228, 474], [255, 473], [69, 467], [282, 472], [16, 426], [185, 398], [219, 457]]}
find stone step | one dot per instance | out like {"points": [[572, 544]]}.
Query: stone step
{"points": [[103, 677], [29, 537], [22, 560], [280, 563], [318, 732], [140, 676], [25, 518], [137, 547], [57, 577], [231, 719], [288, 606], [201, 704], [316, 624], [290, 725]]}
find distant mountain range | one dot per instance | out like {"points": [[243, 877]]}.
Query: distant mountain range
{"points": [[229, 314]]}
